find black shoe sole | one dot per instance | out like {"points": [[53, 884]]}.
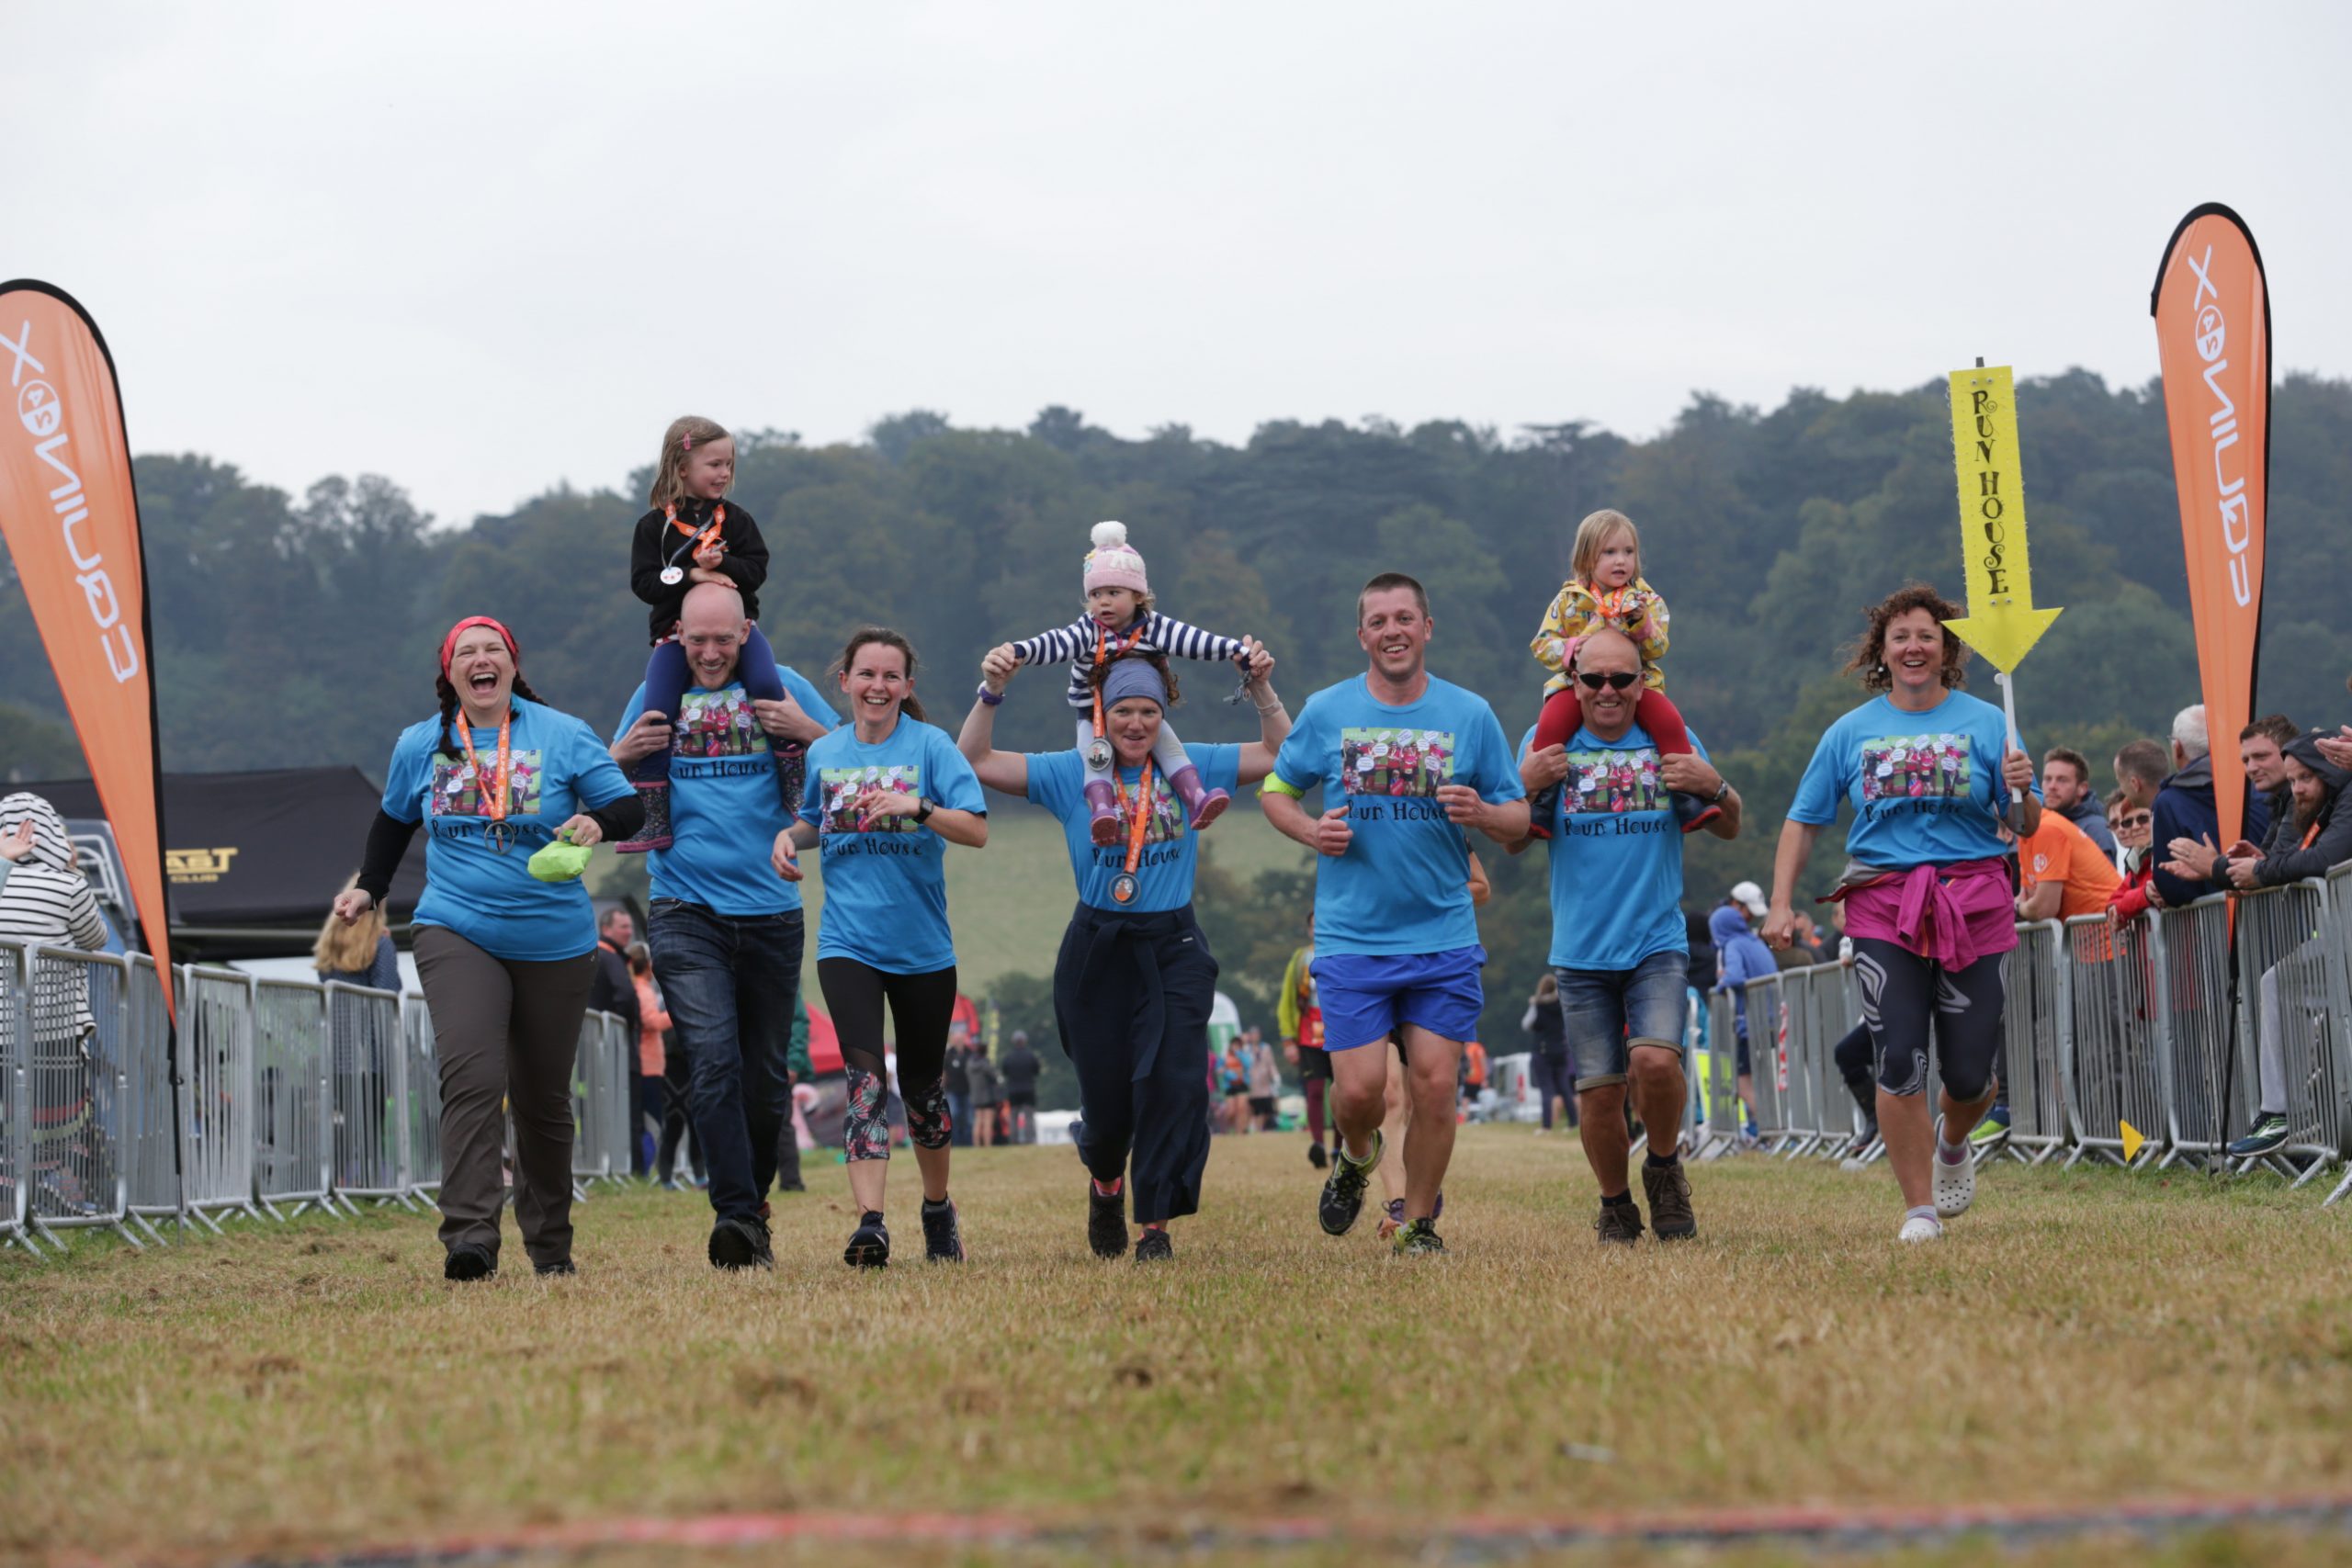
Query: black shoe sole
{"points": [[733, 1248], [1109, 1238], [467, 1265], [866, 1254]]}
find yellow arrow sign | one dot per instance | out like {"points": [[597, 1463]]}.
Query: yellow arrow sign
{"points": [[2002, 622], [2132, 1139]]}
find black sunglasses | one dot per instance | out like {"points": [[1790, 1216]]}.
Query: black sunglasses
{"points": [[1616, 681]]}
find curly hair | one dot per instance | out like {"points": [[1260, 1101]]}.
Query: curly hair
{"points": [[1157, 659], [1867, 660]]}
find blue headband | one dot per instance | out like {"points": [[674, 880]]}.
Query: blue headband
{"points": [[1133, 678]]}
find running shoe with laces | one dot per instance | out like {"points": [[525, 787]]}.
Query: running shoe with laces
{"points": [[1106, 1222], [740, 1243], [1992, 1132], [2267, 1135], [1955, 1182], [869, 1244], [1668, 1190], [1619, 1222], [1418, 1238], [1342, 1198], [1154, 1245], [942, 1239]]}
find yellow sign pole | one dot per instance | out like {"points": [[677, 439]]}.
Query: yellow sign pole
{"points": [[2001, 623]]}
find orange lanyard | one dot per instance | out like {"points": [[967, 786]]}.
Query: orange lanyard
{"points": [[506, 728], [1107, 647], [718, 521], [1142, 816]]}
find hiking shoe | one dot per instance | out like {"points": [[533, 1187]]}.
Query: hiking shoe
{"points": [[1955, 1184], [466, 1264], [1418, 1238], [1316, 1157], [1106, 1222], [1918, 1228], [740, 1243], [942, 1242], [2269, 1135], [1992, 1132], [869, 1244], [1342, 1198], [1154, 1246], [1668, 1191], [1620, 1223], [560, 1268]]}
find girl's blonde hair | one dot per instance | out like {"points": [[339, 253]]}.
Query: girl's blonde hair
{"points": [[670, 470], [1593, 535], [346, 950]]}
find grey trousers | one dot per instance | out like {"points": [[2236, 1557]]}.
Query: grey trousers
{"points": [[505, 1034]]}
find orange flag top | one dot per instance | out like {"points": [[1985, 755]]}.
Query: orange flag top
{"points": [[2213, 310], [71, 518]]}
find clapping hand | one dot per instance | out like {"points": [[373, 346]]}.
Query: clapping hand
{"points": [[17, 845]]}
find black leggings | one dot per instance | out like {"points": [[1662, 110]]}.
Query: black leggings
{"points": [[1904, 994], [1854, 1064], [920, 1007]]}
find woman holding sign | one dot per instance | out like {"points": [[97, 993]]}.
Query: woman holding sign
{"points": [[1135, 978], [1925, 890], [495, 779]]}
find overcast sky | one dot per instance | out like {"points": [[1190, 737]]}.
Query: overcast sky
{"points": [[488, 247]]}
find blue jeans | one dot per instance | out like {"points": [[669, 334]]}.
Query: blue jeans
{"points": [[959, 1120], [730, 982], [1608, 1011]]}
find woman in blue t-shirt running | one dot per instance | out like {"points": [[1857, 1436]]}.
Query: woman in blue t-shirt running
{"points": [[1135, 979], [503, 955], [1931, 772], [885, 796]]}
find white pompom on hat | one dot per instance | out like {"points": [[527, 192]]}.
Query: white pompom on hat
{"points": [[1112, 562]]}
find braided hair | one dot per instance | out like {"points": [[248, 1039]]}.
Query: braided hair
{"points": [[449, 706]]}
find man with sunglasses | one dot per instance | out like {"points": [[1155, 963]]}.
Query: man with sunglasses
{"points": [[1620, 945]]}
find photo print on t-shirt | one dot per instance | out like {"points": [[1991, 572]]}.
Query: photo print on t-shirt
{"points": [[842, 786], [459, 792], [1614, 782], [1396, 762], [1915, 767], [719, 724]]}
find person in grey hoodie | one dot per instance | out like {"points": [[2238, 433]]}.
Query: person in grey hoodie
{"points": [[1743, 957]]}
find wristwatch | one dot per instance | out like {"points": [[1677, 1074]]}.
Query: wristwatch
{"points": [[922, 810], [1722, 788]]}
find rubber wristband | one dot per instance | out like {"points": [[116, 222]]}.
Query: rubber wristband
{"points": [[988, 698]]}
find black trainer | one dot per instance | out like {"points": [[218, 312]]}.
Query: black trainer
{"points": [[740, 1243], [1668, 1190], [560, 1268], [1106, 1222], [869, 1244], [1154, 1246], [1342, 1198], [1620, 1223], [1316, 1157], [469, 1263], [942, 1241]]}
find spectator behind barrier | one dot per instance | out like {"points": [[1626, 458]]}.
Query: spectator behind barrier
{"points": [[359, 953], [2186, 821], [2062, 872], [2130, 822], [2261, 748], [2066, 789], [2315, 835]]}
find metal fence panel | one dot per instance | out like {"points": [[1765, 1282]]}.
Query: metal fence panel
{"points": [[620, 1111], [15, 1203], [2197, 1023], [367, 1111], [2117, 1071], [75, 1092], [1725, 1115], [292, 1096], [1768, 1059], [2292, 1016], [589, 1161], [217, 1136], [419, 1097], [2035, 1024], [149, 1144]]}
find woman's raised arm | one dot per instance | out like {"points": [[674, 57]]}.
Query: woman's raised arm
{"points": [[1007, 773]]}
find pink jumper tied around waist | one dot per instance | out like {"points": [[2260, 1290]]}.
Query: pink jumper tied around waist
{"points": [[1953, 914]]}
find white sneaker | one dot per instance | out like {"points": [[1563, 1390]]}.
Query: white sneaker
{"points": [[1918, 1228], [1955, 1184]]}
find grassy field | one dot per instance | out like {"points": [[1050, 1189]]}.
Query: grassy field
{"points": [[2082, 1338]]}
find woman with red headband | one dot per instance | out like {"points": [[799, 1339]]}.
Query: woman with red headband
{"points": [[504, 956]]}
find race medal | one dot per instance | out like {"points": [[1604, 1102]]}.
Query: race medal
{"points": [[1138, 814], [672, 576], [1098, 754], [1122, 888], [499, 837]]}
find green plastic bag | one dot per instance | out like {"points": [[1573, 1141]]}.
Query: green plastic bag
{"points": [[560, 860]]}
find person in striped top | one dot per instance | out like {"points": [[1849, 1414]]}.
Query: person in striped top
{"points": [[46, 900], [1120, 618]]}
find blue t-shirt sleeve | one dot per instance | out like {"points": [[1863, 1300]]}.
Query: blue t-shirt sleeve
{"points": [[1498, 778], [812, 701], [405, 775], [948, 778], [1824, 784], [1299, 765], [812, 792], [596, 779], [1220, 765], [1054, 779]]}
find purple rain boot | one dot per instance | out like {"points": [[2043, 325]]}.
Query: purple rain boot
{"points": [[1203, 805], [1103, 802]]}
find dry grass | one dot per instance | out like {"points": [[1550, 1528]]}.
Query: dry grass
{"points": [[2080, 1337]]}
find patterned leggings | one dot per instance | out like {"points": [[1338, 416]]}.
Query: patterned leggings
{"points": [[921, 1006]]}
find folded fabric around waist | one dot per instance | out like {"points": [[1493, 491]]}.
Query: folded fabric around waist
{"points": [[1953, 914], [1119, 985]]}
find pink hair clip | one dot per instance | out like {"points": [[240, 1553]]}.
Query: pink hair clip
{"points": [[690, 444]]}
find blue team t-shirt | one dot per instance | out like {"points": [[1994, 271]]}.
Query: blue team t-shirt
{"points": [[724, 809], [886, 885], [1170, 849], [1616, 854], [1926, 787], [556, 769], [1403, 887]]}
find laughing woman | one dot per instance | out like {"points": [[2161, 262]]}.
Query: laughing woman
{"points": [[1925, 890], [886, 795], [503, 956], [1135, 979]]}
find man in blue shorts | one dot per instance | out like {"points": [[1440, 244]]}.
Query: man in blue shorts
{"points": [[1620, 945], [1407, 762]]}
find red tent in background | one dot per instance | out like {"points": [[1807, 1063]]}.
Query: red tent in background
{"points": [[824, 1044]]}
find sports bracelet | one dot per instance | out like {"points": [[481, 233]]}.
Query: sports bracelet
{"points": [[990, 698]]}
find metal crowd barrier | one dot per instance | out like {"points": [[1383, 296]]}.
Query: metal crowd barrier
{"points": [[2194, 1001], [76, 1093], [16, 1204], [1768, 1062], [290, 1057], [2036, 1021], [1725, 1116], [2120, 1062], [153, 1134], [369, 1061], [2293, 1013], [421, 1093]]}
